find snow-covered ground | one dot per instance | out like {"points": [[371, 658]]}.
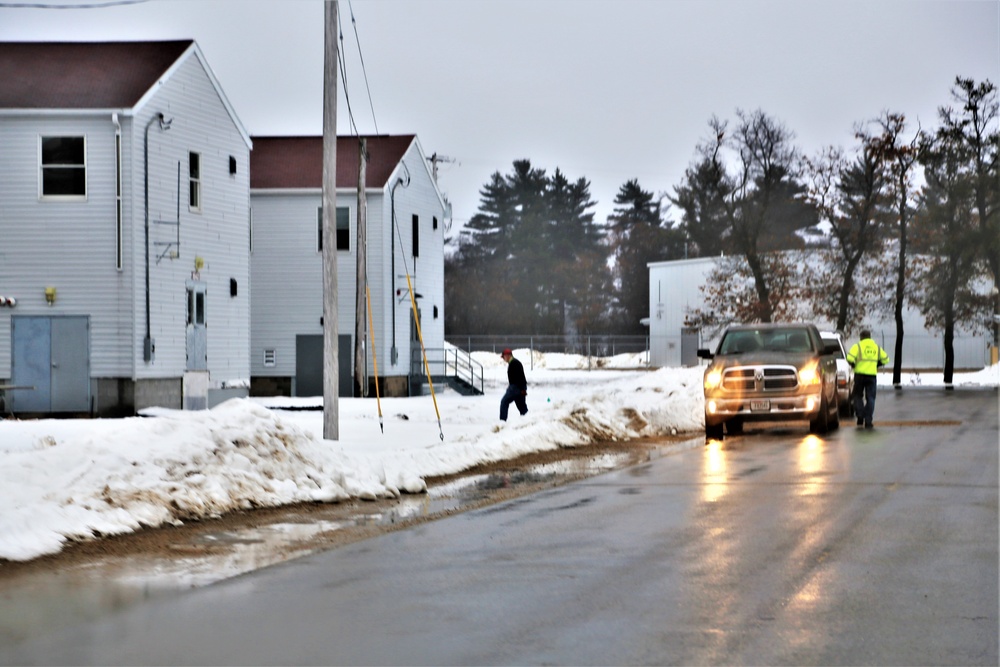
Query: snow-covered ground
{"points": [[63, 480]]}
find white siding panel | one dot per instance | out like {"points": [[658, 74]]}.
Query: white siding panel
{"points": [[218, 233], [69, 245], [427, 270], [287, 275]]}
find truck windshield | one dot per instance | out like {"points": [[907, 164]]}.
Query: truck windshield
{"points": [[778, 340]]}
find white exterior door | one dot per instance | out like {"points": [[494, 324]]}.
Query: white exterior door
{"points": [[197, 327]]}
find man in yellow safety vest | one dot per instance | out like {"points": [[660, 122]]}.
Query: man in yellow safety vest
{"points": [[866, 357]]}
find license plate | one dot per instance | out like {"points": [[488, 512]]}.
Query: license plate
{"points": [[760, 406]]}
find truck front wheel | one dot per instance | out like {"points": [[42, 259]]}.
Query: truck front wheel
{"points": [[821, 423]]}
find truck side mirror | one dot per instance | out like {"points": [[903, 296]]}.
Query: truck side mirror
{"points": [[705, 354]]}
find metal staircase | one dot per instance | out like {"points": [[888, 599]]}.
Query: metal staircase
{"points": [[452, 366]]}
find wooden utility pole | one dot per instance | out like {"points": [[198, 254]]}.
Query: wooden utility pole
{"points": [[331, 367], [360, 363]]}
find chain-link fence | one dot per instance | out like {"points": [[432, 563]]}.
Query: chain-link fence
{"points": [[584, 345], [920, 351]]}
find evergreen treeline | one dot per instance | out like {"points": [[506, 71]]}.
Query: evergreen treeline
{"points": [[533, 260]]}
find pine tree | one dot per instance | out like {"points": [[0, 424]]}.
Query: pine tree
{"points": [[950, 227], [701, 199], [518, 268], [637, 237], [974, 130], [579, 277]]}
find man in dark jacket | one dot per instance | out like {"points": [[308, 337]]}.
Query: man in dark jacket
{"points": [[517, 387]]}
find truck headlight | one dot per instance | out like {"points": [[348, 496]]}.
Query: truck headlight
{"points": [[713, 378], [809, 374]]}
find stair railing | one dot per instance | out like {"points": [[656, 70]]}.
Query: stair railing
{"points": [[451, 362]]}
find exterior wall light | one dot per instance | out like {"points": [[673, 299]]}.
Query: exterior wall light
{"points": [[50, 295]]}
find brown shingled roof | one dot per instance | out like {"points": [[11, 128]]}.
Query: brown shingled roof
{"points": [[297, 162], [82, 75]]}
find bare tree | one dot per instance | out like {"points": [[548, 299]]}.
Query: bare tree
{"points": [[901, 157], [730, 294], [765, 204]]}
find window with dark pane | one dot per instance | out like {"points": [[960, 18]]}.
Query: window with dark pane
{"points": [[416, 236], [343, 228], [194, 181], [64, 167]]}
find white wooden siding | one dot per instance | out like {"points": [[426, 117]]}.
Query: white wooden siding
{"points": [[427, 271], [69, 245], [287, 271], [218, 233], [287, 276]]}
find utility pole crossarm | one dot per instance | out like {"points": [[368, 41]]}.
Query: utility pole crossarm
{"points": [[434, 160]]}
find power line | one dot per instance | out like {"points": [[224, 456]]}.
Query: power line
{"points": [[343, 74], [89, 5], [361, 57]]}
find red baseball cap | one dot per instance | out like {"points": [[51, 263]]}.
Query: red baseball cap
{"points": [[506, 351]]}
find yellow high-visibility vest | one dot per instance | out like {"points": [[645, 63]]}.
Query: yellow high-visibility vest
{"points": [[866, 356]]}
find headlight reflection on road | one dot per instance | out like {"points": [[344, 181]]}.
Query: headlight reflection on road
{"points": [[811, 461], [714, 482]]}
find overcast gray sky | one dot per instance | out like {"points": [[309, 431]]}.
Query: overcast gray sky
{"points": [[609, 90]]}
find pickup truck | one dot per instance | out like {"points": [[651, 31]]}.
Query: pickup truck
{"points": [[770, 372]]}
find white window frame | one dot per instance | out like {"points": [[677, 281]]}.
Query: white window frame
{"points": [[42, 167]]}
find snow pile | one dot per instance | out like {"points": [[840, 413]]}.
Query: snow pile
{"points": [[67, 480]]}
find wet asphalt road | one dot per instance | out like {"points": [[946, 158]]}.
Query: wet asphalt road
{"points": [[777, 547]]}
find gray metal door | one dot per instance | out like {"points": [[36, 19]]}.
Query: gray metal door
{"points": [[51, 354], [345, 352], [31, 364], [309, 365], [70, 364], [690, 340], [197, 331]]}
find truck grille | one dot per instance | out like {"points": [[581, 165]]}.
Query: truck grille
{"points": [[759, 378]]}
